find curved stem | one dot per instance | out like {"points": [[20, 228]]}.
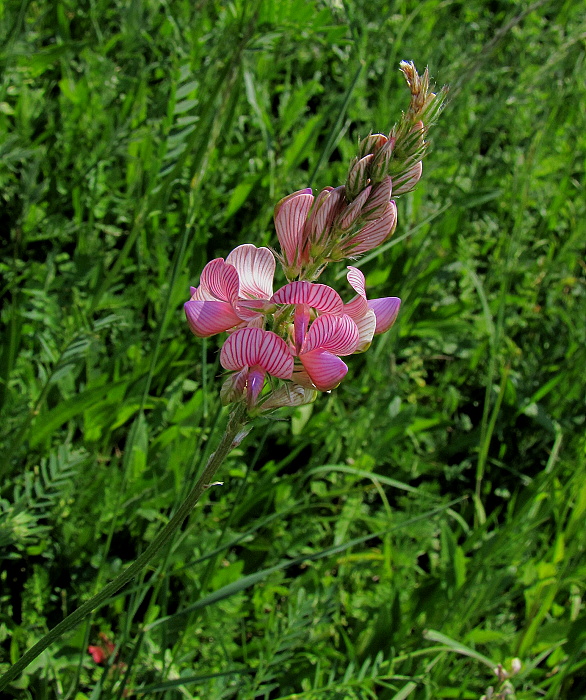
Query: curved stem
{"points": [[231, 438]]}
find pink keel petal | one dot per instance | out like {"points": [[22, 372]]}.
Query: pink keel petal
{"points": [[300, 324], [386, 310], [207, 318], [254, 384], [326, 370], [290, 217], [356, 279], [317, 296], [256, 269], [337, 334]]}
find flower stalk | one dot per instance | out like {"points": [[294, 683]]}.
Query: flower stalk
{"points": [[234, 433]]}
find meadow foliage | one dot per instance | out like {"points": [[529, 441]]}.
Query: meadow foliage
{"points": [[419, 532]]}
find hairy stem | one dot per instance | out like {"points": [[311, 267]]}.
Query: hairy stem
{"points": [[236, 423]]}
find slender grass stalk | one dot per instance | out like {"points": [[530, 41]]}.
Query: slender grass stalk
{"points": [[230, 439]]}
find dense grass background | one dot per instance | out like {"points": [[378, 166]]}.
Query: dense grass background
{"points": [[403, 535]]}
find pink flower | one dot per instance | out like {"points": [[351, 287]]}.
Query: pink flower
{"points": [[327, 338], [373, 316], [306, 296], [252, 353], [100, 654], [232, 293]]}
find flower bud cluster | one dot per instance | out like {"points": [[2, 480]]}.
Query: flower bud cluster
{"points": [[284, 347]]}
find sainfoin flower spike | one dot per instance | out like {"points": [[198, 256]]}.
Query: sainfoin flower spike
{"points": [[284, 347]]}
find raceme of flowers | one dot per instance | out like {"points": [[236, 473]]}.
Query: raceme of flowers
{"points": [[297, 334], [284, 346]]}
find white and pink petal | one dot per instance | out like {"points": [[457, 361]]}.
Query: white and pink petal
{"points": [[256, 269], [218, 281]]}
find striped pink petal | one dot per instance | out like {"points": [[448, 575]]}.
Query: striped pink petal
{"points": [[386, 310], [275, 356], [254, 347], [325, 370], [318, 296], [290, 217], [206, 318], [256, 269], [218, 281], [336, 334], [375, 233]]}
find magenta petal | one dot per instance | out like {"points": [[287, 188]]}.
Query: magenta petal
{"points": [[290, 217], [254, 384], [219, 280], [325, 370], [256, 269], [300, 324], [317, 296], [386, 311], [207, 318], [337, 334]]}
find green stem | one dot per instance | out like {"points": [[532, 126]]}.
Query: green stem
{"points": [[231, 438]]}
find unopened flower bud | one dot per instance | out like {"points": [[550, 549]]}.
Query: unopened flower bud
{"points": [[516, 666], [326, 208], [380, 165], [378, 200], [371, 144], [358, 177], [407, 180], [352, 211]]}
